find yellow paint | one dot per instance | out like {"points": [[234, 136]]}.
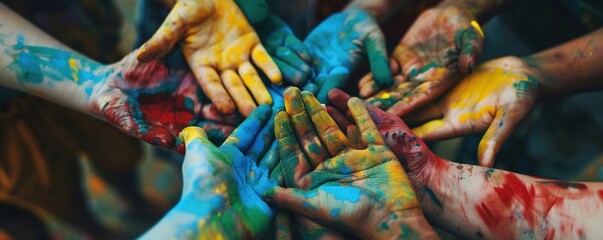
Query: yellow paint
{"points": [[429, 127], [477, 116], [75, 70], [477, 27], [189, 134]]}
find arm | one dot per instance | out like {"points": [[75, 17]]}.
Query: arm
{"points": [[483, 202], [33, 62], [570, 68], [479, 202]]}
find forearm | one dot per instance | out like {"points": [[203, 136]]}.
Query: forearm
{"points": [[381, 10], [482, 10], [31, 61], [478, 202], [570, 68]]}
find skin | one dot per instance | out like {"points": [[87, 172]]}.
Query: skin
{"points": [[441, 44], [287, 51], [364, 192], [476, 202], [500, 93], [221, 186], [146, 100], [220, 46], [338, 45]]}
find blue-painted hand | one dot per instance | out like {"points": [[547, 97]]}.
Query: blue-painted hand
{"points": [[211, 205], [338, 44]]}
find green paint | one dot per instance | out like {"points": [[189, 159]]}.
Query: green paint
{"points": [[489, 173], [408, 233], [526, 87], [432, 195]]}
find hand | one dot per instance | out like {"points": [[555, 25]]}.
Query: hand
{"points": [[287, 51], [494, 98], [221, 186], [412, 152], [440, 45], [338, 44], [362, 191], [219, 45], [154, 103]]}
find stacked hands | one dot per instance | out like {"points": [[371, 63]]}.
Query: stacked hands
{"points": [[286, 164], [335, 172]]}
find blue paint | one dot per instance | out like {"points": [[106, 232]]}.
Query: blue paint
{"points": [[343, 193], [334, 212]]}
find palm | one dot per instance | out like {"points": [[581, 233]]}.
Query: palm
{"points": [[153, 102], [442, 43], [220, 46], [342, 186], [340, 43], [496, 97]]}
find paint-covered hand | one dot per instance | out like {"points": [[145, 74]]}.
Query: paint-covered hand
{"points": [[413, 153], [287, 51], [220, 46], [339, 44], [364, 192], [222, 186], [153, 102], [441, 45], [494, 99]]}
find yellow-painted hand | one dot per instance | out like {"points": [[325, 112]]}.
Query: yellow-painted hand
{"points": [[496, 97], [220, 46]]}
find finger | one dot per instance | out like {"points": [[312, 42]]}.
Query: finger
{"points": [[164, 38], [291, 58], [440, 129], [470, 42], [311, 87], [339, 99], [193, 135], [210, 112], [282, 226], [299, 48], [499, 131], [429, 112], [261, 59], [336, 79], [340, 119], [368, 130], [234, 85], [291, 74], [293, 161], [330, 133], [277, 174], [367, 86], [418, 97], [377, 55], [312, 147], [263, 140], [270, 159], [254, 83], [244, 136], [408, 59], [211, 84]]}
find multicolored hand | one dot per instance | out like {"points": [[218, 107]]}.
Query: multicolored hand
{"points": [[154, 103], [360, 191], [287, 51], [339, 44], [494, 98], [220, 46], [443, 43], [222, 186]]}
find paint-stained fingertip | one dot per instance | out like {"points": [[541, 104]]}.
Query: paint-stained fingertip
{"points": [[188, 134], [486, 156]]}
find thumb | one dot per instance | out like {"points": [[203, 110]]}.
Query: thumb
{"points": [[498, 132], [470, 42], [165, 37]]}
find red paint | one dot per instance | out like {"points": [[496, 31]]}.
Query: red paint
{"points": [[600, 192], [167, 111], [514, 188]]}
